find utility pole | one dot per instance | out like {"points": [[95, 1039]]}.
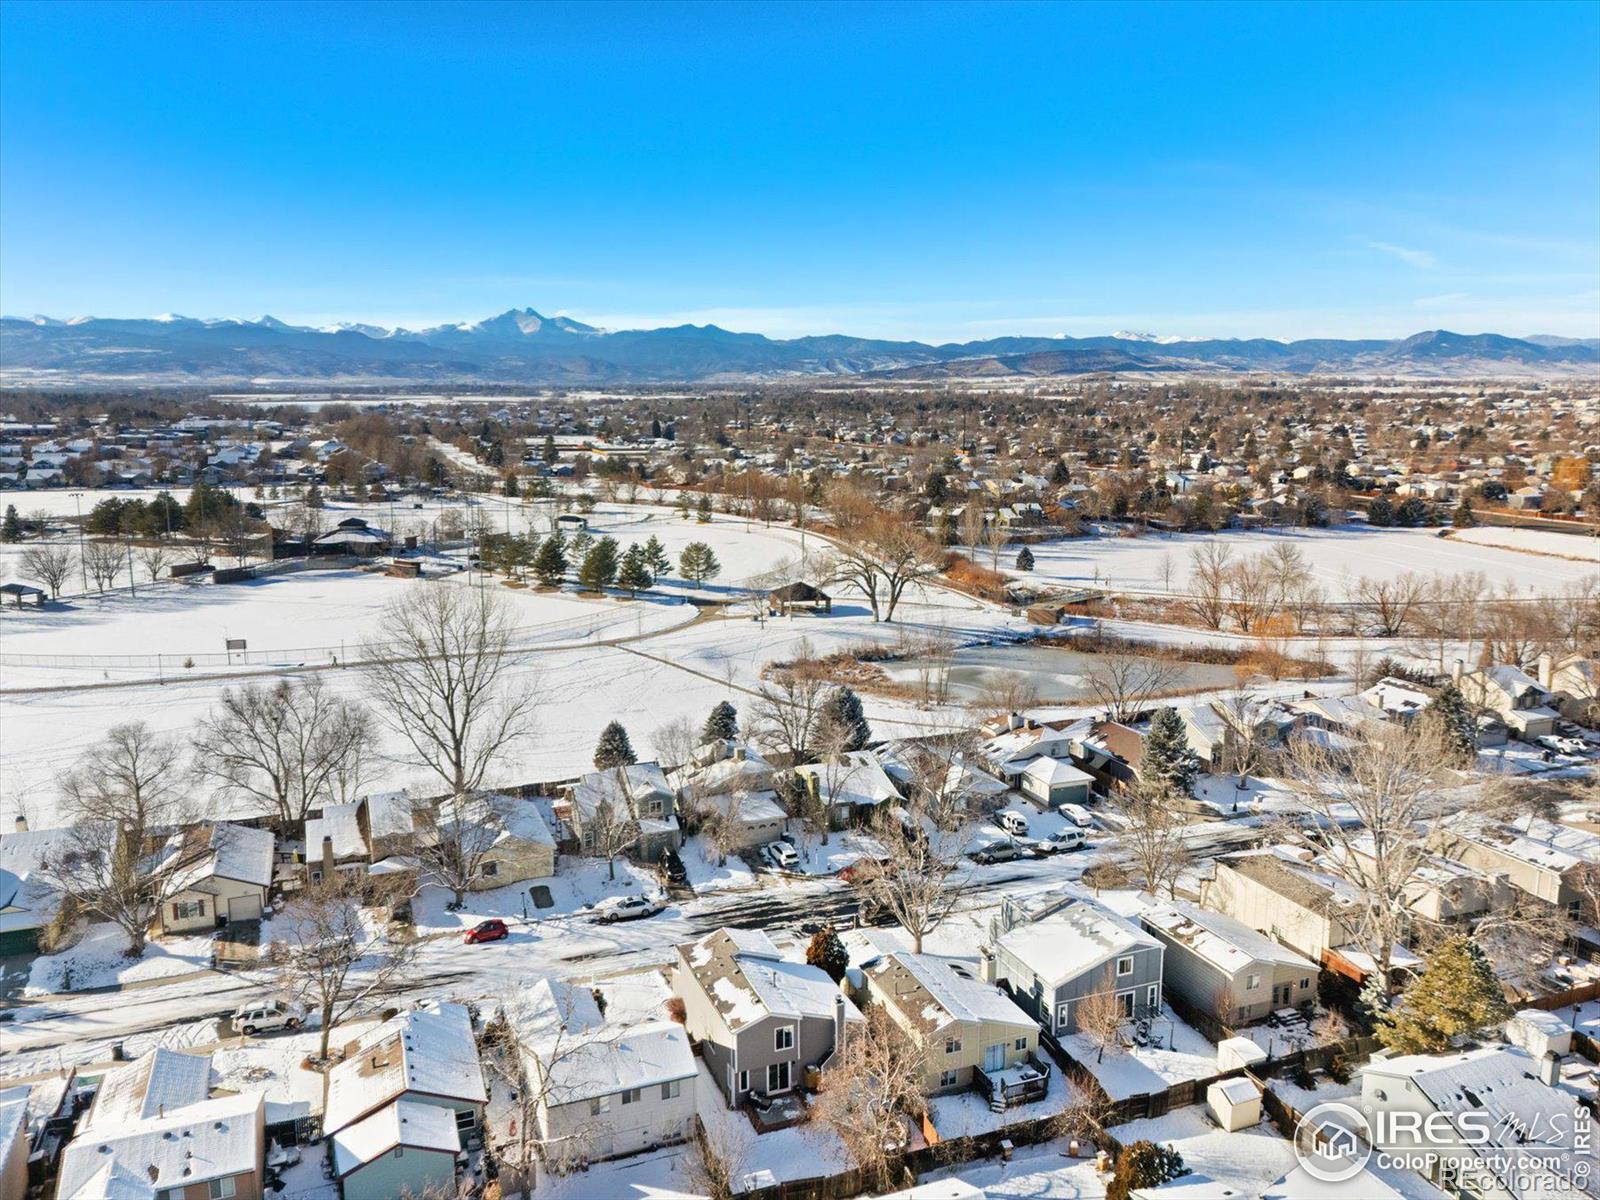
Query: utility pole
{"points": [[82, 566]]}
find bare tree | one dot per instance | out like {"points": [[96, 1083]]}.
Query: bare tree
{"points": [[1124, 681], [331, 958], [881, 557], [1099, 1017], [1153, 835], [463, 833], [438, 675], [124, 799], [787, 710], [876, 1083], [1209, 564], [675, 742], [612, 828], [1007, 692], [154, 557], [104, 561], [917, 880], [50, 565], [1388, 603], [289, 747], [1376, 810]]}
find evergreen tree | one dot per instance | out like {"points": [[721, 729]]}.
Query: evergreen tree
{"points": [[162, 516], [842, 713], [936, 487], [1380, 513], [703, 510], [698, 563], [613, 749], [1411, 513], [1141, 1165], [1168, 762], [313, 498], [510, 487], [1463, 517], [1456, 995], [599, 569], [206, 503], [581, 542], [11, 527], [634, 573], [655, 427], [827, 953], [722, 724], [550, 563], [1024, 559], [1448, 710], [655, 557], [549, 448]]}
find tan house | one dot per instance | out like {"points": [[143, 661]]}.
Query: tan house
{"points": [[1575, 684], [14, 1142], [225, 874], [1546, 859], [1276, 893], [520, 845], [1514, 696], [970, 1031], [153, 1130]]}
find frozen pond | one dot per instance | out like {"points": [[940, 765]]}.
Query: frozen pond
{"points": [[1057, 675]]}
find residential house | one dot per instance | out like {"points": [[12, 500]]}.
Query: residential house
{"points": [[1055, 958], [761, 1021], [1052, 782], [734, 782], [23, 914], [639, 790], [1574, 682], [971, 1032], [609, 1081], [508, 835], [427, 1055], [852, 785], [224, 873], [1278, 893], [1226, 969], [1531, 1150], [1015, 741], [153, 1131], [1546, 859], [1513, 695], [336, 842], [1440, 889], [407, 1148]]}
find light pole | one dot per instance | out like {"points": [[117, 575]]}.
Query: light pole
{"points": [[82, 566]]}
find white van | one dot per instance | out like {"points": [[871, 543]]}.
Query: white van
{"points": [[1012, 822]]}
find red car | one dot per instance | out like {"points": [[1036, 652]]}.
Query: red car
{"points": [[487, 931]]}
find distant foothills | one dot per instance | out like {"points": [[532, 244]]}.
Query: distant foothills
{"points": [[521, 346]]}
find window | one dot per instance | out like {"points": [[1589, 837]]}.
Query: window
{"points": [[947, 1078], [1305, 983], [1125, 1002], [399, 1151], [490, 868], [1252, 982], [744, 1081], [1022, 1043], [466, 1122], [784, 1038], [1063, 1016], [778, 1076], [952, 1045], [184, 910], [600, 1104], [671, 1091], [221, 1189], [631, 1096], [1125, 966], [1152, 996]]}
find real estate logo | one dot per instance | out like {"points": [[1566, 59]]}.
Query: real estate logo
{"points": [[1333, 1142]]}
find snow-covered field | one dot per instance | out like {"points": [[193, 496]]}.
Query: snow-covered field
{"points": [[100, 960], [1335, 557]]}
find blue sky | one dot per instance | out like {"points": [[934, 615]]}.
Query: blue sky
{"points": [[939, 172]]}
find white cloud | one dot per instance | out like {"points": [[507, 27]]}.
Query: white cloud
{"points": [[1416, 258]]}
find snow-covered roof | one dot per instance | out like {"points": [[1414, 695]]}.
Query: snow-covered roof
{"points": [[338, 822], [933, 992], [589, 1053], [391, 814], [747, 981], [235, 852], [1052, 772], [161, 1081], [504, 818], [428, 1050], [855, 778], [1073, 940], [409, 1123], [639, 781], [1533, 840], [719, 767], [144, 1159], [13, 1118], [1222, 941]]}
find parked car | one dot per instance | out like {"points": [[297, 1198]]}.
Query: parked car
{"points": [[672, 866], [491, 930], [1012, 821], [997, 852], [1077, 814], [1070, 838], [626, 908], [274, 1014], [781, 855]]}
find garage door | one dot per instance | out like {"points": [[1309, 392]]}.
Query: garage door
{"points": [[19, 941], [244, 908]]}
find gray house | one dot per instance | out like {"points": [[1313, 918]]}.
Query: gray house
{"points": [[1054, 957], [1223, 967], [761, 1021]]}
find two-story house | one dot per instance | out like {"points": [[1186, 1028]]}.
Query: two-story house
{"points": [[1514, 696], [761, 1021], [1546, 859], [639, 790], [1223, 967], [1052, 960], [1277, 893]]}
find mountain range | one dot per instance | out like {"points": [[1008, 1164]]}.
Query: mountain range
{"points": [[523, 347]]}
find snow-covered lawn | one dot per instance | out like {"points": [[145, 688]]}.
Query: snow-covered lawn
{"points": [[1247, 1161], [667, 1174], [842, 849], [964, 1113], [577, 884], [1182, 1053], [1041, 1172], [1335, 557], [805, 1151], [272, 1065], [707, 875], [101, 959]]}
